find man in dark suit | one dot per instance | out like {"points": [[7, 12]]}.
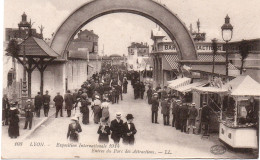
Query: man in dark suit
{"points": [[75, 96], [164, 93], [129, 130], [205, 117], [183, 116], [38, 104], [137, 89], [58, 99], [149, 94], [193, 113], [117, 128], [155, 108], [68, 98], [29, 109], [46, 103], [165, 111]]}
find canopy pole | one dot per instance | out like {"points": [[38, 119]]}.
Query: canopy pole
{"points": [[221, 106], [235, 114]]}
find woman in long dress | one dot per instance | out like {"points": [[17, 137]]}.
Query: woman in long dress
{"points": [[73, 130], [13, 130], [105, 110], [125, 83], [85, 110], [96, 107]]}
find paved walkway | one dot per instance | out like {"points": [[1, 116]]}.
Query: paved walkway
{"points": [[153, 138]]}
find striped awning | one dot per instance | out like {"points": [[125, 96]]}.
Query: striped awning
{"points": [[188, 87], [207, 90], [179, 82], [209, 58], [172, 60]]}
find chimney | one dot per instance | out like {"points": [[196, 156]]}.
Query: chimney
{"points": [[190, 28]]}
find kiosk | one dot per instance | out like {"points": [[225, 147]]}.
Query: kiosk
{"points": [[238, 125]]}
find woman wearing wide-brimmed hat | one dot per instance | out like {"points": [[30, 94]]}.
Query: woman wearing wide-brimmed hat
{"points": [[73, 130], [13, 130]]}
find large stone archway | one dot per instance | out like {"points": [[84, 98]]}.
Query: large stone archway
{"points": [[147, 8]]}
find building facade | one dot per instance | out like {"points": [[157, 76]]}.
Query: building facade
{"points": [[168, 64], [137, 52]]}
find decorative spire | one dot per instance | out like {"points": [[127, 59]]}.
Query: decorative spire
{"points": [[198, 25]]}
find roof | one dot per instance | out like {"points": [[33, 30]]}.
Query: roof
{"points": [[156, 33], [36, 47], [138, 45], [218, 69], [87, 32], [115, 55], [243, 86]]}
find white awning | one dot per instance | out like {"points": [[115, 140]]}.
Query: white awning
{"points": [[188, 87], [179, 82], [207, 90]]}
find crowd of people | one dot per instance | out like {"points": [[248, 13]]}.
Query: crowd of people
{"points": [[184, 113], [103, 89], [95, 97], [96, 94]]}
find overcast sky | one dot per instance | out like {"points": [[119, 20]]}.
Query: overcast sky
{"points": [[124, 28]]}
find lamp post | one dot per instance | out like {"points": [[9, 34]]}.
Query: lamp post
{"points": [[227, 33], [214, 48]]}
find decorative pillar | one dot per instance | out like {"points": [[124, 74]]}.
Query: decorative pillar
{"points": [[24, 85]]}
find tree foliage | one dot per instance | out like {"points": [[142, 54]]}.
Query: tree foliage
{"points": [[13, 48], [244, 51]]}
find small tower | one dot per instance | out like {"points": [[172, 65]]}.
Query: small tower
{"points": [[24, 25]]}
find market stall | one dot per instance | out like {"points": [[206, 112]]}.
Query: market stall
{"points": [[213, 96], [238, 127]]}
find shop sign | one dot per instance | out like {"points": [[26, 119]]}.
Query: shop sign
{"points": [[208, 47], [200, 47]]}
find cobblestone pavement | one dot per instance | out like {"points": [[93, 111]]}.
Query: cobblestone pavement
{"points": [[152, 140]]}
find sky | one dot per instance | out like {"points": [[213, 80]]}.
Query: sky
{"points": [[125, 28]]}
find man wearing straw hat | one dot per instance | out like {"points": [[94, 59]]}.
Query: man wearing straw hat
{"points": [[155, 108], [117, 128]]}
